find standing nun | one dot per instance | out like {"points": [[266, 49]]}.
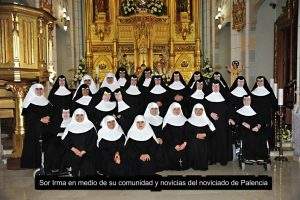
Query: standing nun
{"points": [[238, 89], [110, 81], [158, 93], [124, 113], [141, 144], [174, 138], [88, 80], [80, 138], [37, 112], [197, 94], [122, 76], [195, 77], [265, 103], [145, 80], [133, 95], [177, 90], [82, 99], [220, 142], [218, 77], [110, 154], [60, 96], [106, 106], [198, 130]]}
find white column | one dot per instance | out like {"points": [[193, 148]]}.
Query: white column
{"points": [[213, 31], [298, 65], [247, 40]]}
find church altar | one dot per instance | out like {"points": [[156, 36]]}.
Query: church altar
{"points": [[161, 34]]}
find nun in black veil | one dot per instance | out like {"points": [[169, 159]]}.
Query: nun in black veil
{"points": [[218, 76], [82, 99], [265, 103], [238, 89], [197, 94], [122, 76], [195, 77], [145, 80], [133, 96]]}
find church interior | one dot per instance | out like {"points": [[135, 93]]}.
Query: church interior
{"points": [[43, 39]]}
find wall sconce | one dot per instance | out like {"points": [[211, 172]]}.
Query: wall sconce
{"points": [[219, 18], [65, 19]]}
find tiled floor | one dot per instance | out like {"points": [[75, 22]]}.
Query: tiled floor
{"points": [[286, 186]]}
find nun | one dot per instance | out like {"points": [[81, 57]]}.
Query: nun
{"points": [[88, 80], [133, 95], [145, 80], [56, 149], [122, 76], [220, 142], [37, 112], [110, 153], [250, 126], [177, 90], [174, 138], [110, 81], [265, 102], [158, 93], [195, 77], [124, 113], [106, 106], [198, 130], [197, 94], [238, 89], [141, 144], [218, 77], [82, 99], [80, 139], [152, 117], [60, 96]]}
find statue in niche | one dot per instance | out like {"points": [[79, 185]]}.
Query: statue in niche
{"points": [[184, 6], [235, 70], [160, 66], [100, 6], [129, 66]]}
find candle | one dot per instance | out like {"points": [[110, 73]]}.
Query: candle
{"points": [[272, 83], [275, 89], [280, 97]]}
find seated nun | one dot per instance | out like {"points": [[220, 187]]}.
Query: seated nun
{"points": [[80, 138], [110, 154], [141, 144], [198, 130], [174, 138]]}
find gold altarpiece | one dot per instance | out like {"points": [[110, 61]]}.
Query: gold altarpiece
{"points": [[165, 43]]}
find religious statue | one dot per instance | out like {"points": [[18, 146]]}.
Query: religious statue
{"points": [[99, 6], [235, 70], [129, 66], [160, 66]]}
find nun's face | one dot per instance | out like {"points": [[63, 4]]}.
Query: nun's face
{"points": [[157, 81], [62, 81], [260, 82], [88, 82], [66, 114], [122, 74], [240, 83], [39, 91], [110, 80], [198, 111], [118, 96], [106, 96], [217, 76], [79, 118], [154, 111], [85, 91], [176, 77], [199, 85], [197, 77], [133, 81], [215, 87], [140, 125], [177, 111], [111, 124], [147, 74], [247, 101]]}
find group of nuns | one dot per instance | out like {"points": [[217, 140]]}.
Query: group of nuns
{"points": [[140, 126]]}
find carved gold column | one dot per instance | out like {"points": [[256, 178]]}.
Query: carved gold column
{"points": [[16, 47], [172, 11], [88, 20], [19, 90], [197, 9]]}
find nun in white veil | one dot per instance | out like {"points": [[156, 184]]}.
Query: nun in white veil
{"points": [[110, 154], [153, 118], [37, 112], [141, 145], [198, 130], [87, 79], [80, 139], [174, 138], [110, 81]]}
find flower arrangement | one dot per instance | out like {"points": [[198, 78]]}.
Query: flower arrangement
{"points": [[207, 70], [128, 7], [156, 7], [286, 134], [80, 71]]}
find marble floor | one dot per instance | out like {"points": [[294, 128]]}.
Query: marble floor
{"points": [[19, 185]]}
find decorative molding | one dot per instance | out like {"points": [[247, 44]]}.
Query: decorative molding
{"points": [[184, 47], [102, 48], [238, 15]]}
